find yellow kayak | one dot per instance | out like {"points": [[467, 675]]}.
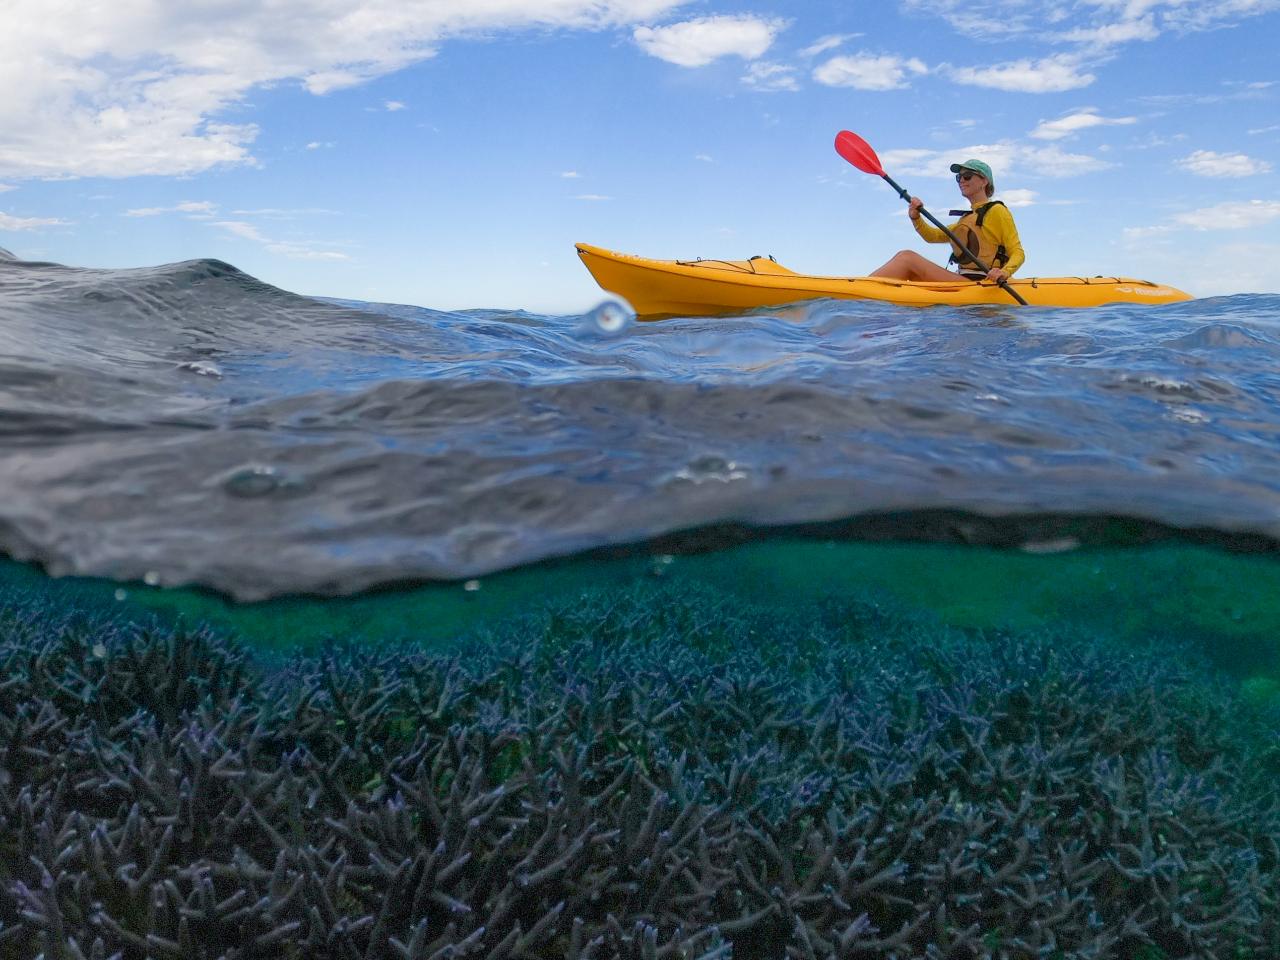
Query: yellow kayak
{"points": [[701, 288]]}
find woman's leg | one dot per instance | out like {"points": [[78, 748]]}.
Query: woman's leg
{"points": [[909, 265]]}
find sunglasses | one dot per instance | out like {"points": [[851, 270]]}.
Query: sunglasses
{"points": [[966, 176]]}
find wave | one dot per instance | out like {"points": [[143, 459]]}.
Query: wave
{"points": [[191, 424]]}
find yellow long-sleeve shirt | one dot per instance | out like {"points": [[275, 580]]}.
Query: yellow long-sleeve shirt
{"points": [[998, 224]]}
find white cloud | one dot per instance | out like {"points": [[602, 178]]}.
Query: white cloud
{"points": [[1207, 163], [393, 105], [1271, 129], [593, 197], [283, 213], [1095, 22], [1017, 198], [1006, 158], [1113, 34], [1143, 233], [195, 207], [705, 158], [868, 71], [293, 249], [1050, 75], [993, 19], [139, 87], [1207, 14], [27, 223], [5, 187], [1068, 125], [829, 42], [770, 77], [1231, 215], [695, 43], [1234, 268], [571, 175]]}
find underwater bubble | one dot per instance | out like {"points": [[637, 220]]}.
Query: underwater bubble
{"points": [[201, 368], [254, 481], [259, 480], [151, 578], [659, 564], [610, 317], [710, 467], [1164, 386], [1061, 545], [122, 594], [471, 586]]}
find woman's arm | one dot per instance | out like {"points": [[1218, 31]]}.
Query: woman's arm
{"points": [[923, 227], [999, 224]]}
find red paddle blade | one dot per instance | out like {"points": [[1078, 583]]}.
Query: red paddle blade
{"points": [[858, 152]]}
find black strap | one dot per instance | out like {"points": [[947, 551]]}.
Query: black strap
{"points": [[982, 210]]}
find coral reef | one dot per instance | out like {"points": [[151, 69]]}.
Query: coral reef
{"points": [[662, 773]]}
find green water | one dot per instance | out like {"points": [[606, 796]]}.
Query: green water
{"points": [[1227, 605]]}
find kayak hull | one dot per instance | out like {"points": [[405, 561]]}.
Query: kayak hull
{"points": [[701, 288]]}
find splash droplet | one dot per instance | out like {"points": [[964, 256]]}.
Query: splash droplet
{"points": [[610, 318], [471, 586], [151, 578]]}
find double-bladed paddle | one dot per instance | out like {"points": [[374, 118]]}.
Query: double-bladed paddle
{"points": [[859, 153]]}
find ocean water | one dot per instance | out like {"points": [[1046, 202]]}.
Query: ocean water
{"points": [[684, 550], [190, 425]]}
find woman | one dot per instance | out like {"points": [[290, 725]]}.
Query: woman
{"points": [[986, 231]]}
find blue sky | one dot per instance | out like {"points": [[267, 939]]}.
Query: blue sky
{"points": [[449, 154]]}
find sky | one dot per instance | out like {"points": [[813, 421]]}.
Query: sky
{"points": [[449, 153]]}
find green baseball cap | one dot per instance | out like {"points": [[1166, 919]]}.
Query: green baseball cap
{"points": [[977, 166]]}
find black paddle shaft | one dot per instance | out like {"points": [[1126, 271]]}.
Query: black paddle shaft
{"points": [[952, 237]]}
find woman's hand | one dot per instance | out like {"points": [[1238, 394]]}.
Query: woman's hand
{"points": [[913, 211], [996, 275]]}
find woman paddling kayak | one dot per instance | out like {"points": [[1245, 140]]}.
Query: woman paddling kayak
{"points": [[986, 230]]}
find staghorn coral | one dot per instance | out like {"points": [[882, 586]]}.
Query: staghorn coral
{"points": [[656, 774]]}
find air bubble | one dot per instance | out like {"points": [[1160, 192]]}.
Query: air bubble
{"points": [[202, 368], [260, 480], [1061, 545], [710, 467], [255, 481]]}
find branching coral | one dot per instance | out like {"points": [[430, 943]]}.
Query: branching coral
{"points": [[660, 774]]}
